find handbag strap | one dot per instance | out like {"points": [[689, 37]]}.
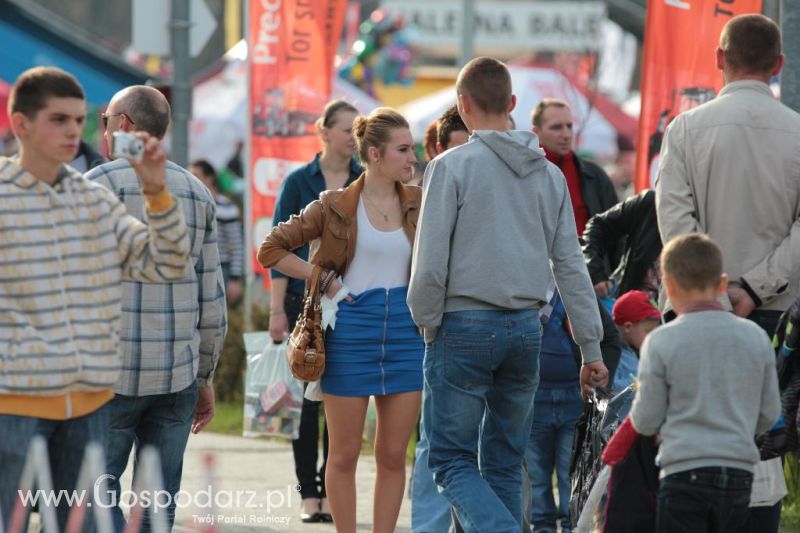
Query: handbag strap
{"points": [[313, 299], [313, 287]]}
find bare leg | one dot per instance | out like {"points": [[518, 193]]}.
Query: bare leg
{"points": [[345, 416], [397, 417]]}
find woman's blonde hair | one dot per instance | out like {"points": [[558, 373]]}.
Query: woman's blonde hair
{"points": [[375, 130], [332, 108]]}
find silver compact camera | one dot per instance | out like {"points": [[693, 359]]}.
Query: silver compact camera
{"points": [[126, 145]]}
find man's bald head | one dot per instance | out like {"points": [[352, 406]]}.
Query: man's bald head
{"points": [[147, 108]]}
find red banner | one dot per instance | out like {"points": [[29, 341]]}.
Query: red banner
{"points": [[679, 68], [291, 46]]}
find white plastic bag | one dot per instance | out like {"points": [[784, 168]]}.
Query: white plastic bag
{"points": [[769, 483], [273, 398], [595, 502]]}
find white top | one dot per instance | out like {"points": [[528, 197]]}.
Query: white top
{"points": [[382, 258]]}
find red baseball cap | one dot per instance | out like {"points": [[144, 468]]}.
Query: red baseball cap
{"points": [[633, 307]]}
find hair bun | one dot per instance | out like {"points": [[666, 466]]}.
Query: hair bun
{"points": [[360, 126]]}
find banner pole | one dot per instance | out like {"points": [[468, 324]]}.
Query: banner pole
{"points": [[467, 32], [790, 75], [180, 23], [248, 193]]}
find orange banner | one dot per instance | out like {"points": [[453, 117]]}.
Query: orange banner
{"points": [[679, 68], [292, 44]]}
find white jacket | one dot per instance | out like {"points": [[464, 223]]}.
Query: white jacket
{"points": [[731, 169]]}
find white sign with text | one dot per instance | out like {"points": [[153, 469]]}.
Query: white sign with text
{"points": [[506, 26]]}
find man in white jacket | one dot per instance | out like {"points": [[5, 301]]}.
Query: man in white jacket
{"points": [[730, 168]]}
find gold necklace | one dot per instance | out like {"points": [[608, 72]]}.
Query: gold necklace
{"points": [[384, 215]]}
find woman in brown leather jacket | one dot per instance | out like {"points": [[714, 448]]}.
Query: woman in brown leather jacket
{"points": [[364, 234], [335, 167]]}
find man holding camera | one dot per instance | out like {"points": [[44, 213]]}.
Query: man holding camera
{"points": [[172, 333]]}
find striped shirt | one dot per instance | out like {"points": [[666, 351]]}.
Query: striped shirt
{"points": [[64, 250], [171, 333], [230, 238]]}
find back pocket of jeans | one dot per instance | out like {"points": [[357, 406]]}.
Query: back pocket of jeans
{"points": [[468, 358], [531, 346]]}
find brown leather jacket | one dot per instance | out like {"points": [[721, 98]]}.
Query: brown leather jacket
{"points": [[329, 224]]}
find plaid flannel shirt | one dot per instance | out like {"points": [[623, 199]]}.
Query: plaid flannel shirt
{"points": [[171, 333]]}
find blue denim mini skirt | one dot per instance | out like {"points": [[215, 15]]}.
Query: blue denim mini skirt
{"points": [[375, 349]]}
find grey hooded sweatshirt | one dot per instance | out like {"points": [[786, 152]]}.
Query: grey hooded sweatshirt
{"points": [[496, 216]]}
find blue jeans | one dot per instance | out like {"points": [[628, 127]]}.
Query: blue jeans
{"points": [[707, 500], [430, 511], [555, 415], [66, 443], [481, 373], [526, 505], [162, 421]]}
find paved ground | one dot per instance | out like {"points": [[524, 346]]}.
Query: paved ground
{"points": [[254, 485], [261, 473]]}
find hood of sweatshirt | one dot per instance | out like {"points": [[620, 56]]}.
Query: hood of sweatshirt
{"points": [[12, 172], [518, 149], [61, 192]]}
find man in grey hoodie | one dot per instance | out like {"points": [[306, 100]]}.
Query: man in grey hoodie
{"points": [[496, 223]]}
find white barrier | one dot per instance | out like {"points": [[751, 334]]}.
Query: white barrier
{"points": [[35, 472], [37, 480], [92, 481], [148, 478], [92, 471]]}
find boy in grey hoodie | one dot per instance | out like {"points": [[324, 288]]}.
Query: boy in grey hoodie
{"points": [[496, 223], [707, 385]]}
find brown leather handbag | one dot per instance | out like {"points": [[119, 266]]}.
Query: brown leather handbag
{"points": [[306, 347]]}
